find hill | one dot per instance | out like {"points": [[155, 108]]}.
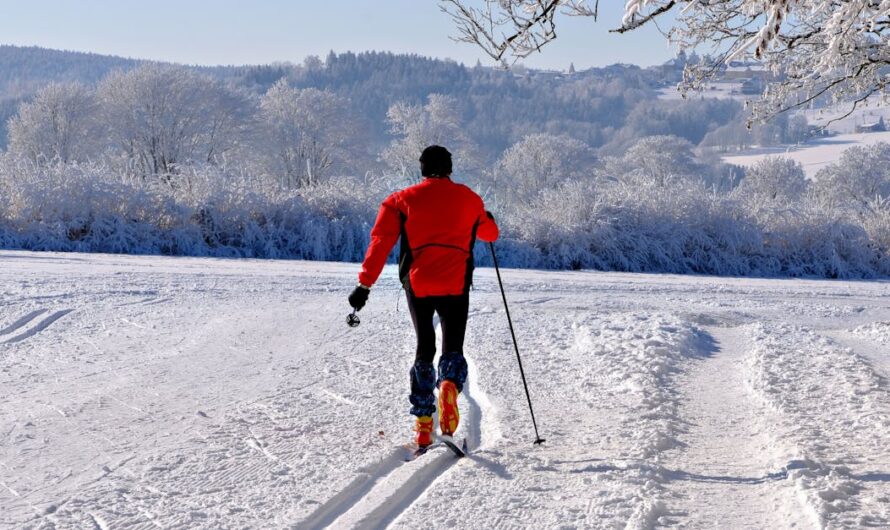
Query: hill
{"points": [[498, 108]]}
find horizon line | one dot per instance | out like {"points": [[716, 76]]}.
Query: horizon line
{"points": [[495, 66]]}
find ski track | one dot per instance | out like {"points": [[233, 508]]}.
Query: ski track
{"points": [[192, 393], [40, 326], [382, 491], [379, 495], [726, 468], [22, 321]]}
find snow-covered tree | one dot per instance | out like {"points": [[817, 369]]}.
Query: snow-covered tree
{"points": [[58, 126], [160, 118], [657, 161], [773, 182], [305, 132], [798, 129], [541, 161], [858, 180], [730, 137], [417, 126], [816, 47]]}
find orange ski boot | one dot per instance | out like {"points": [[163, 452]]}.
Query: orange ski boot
{"points": [[424, 428], [449, 416]]}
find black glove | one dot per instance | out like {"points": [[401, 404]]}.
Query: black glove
{"points": [[359, 297]]}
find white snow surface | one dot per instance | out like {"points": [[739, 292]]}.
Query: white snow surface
{"points": [[813, 155], [716, 90], [153, 392], [842, 118]]}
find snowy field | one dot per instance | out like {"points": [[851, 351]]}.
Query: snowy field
{"points": [[843, 119], [150, 392], [813, 155], [716, 90]]}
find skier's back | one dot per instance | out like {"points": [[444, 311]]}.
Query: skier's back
{"points": [[438, 222]]}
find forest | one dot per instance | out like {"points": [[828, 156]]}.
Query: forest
{"points": [[584, 170]]}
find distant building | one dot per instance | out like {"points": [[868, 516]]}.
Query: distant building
{"points": [[878, 126], [752, 86]]}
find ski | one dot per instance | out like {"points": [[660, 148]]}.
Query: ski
{"points": [[459, 451], [451, 443], [415, 452]]}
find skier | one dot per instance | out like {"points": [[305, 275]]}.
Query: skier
{"points": [[438, 222]]}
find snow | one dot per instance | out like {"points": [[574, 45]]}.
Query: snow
{"points": [[206, 393], [814, 155], [717, 90], [843, 118]]}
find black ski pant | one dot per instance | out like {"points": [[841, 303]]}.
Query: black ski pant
{"points": [[452, 311]]}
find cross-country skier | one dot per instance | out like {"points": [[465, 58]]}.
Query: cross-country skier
{"points": [[438, 221]]}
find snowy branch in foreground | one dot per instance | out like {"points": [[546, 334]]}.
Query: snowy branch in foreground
{"points": [[513, 28], [815, 48]]}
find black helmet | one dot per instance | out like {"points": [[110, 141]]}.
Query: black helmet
{"points": [[435, 161]]}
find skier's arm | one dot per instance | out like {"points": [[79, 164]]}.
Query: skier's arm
{"points": [[384, 235], [488, 229]]}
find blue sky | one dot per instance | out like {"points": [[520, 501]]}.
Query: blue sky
{"points": [[262, 31]]}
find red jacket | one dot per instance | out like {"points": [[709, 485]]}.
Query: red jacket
{"points": [[438, 221]]}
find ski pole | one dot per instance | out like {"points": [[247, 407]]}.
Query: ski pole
{"points": [[538, 439]]}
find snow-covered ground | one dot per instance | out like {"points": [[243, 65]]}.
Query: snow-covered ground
{"points": [[142, 392], [843, 118], [814, 155], [717, 90]]}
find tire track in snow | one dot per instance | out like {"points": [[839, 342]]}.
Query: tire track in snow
{"points": [[722, 471], [42, 325], [385, 490]]}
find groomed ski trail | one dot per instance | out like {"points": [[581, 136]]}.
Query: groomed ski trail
{"points": [[727, 474], [382, 492], [243, 400]]}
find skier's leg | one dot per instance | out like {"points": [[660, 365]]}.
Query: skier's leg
{"points": [[422, 311], [423, 374], [452, 364], [453, 312]]}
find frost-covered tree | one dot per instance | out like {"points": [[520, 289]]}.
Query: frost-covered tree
{"points": [[730, 137], [160, 118], [228, 123], [798, 129], [858, 180], [773, 182], [305, 133], [673, 118], [659, 161], [58, 126], [540, 161], [820, 47], [417, 126]]}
